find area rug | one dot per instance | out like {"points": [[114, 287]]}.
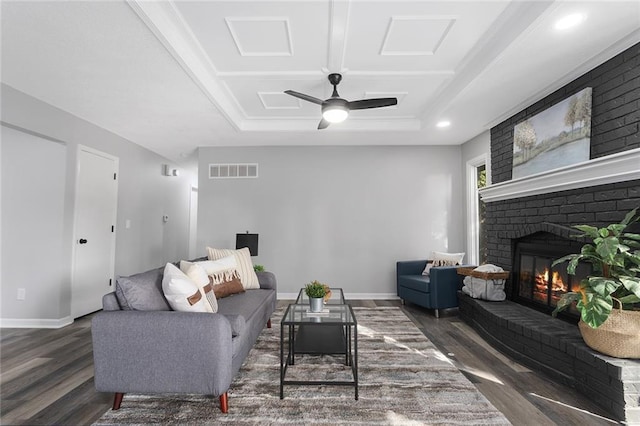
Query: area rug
{"points": [[404, 380]]}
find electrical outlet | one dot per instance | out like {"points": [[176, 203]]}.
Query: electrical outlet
{"points": [[22, 294]]}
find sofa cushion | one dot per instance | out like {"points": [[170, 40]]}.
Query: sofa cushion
{"points": [[443, 259], [415, 282], [198, 275], [246, 305], [238, 324], [245, 269], [227, 288], [226, 267], [182, 293], [142, 292]]}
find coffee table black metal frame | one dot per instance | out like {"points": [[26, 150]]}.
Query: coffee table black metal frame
{"points": [[332, 332]]}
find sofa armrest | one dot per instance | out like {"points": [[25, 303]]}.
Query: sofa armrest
{"points": [[444, 284], [162, 352], [110, 302], [267, 280]]}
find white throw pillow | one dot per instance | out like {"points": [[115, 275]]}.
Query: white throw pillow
{"points": [[439, 258], [182, 293], [244, 265], [198, 274]]}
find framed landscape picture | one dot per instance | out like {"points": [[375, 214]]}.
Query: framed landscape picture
{"points": [[558, 136]]}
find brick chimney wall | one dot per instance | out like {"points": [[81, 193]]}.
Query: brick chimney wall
{"points": [[615, 128]]}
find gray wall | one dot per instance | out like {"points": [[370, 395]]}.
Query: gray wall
{"points": [[144, 196], [342, 215], [33, 187], [479, 145]]}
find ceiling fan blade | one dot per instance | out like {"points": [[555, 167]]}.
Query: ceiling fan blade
{"points": [[304, 97], [323, 124], [372, 103]]}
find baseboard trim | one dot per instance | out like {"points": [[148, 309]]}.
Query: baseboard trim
{"points": [[35, 323], [348, 296]]}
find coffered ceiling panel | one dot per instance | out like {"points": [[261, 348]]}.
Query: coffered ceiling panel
{"points": [[264, 36], [278, 100], [258, 37], [416, 36], [401, 37], [265, 98]]}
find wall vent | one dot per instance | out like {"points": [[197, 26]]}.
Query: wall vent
{"points": [[233, 171]]}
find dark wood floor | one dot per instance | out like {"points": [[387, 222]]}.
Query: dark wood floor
{"points": [[46, 376]]}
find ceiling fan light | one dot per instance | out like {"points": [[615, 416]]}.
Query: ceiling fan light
{"points": [[335, 114]]}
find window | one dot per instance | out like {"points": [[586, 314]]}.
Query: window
{"points": [[477, 178], [481, 182]]}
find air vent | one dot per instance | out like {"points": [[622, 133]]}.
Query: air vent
{"points": [[233, 171]]}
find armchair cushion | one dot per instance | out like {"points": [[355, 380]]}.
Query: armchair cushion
{"points": [[417, 282]]}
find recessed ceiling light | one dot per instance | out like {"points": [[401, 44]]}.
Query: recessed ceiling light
{"points": [[569, 21], [444, 123]]}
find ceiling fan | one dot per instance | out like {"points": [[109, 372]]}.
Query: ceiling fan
{"points": [[336, 109]]}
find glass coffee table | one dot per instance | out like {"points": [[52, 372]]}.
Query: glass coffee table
{"points": [[331, 332]]}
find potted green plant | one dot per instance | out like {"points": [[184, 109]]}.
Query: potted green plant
{"points": [[315, 291], [258, 268], [609, 298]]}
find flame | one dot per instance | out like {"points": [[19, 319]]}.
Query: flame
{"points": [[557, 284]]}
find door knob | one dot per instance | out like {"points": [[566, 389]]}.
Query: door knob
{"points": [[82, 241]]}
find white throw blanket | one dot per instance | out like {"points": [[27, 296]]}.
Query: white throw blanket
{"points": [[485, 289]]}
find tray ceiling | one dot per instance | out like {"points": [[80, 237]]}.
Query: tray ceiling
{"points": [[172, 76]]}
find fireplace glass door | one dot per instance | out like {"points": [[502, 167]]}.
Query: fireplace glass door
{"points": [[540, 284]]}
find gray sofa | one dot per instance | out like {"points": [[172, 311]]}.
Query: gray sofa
{"points": [[163, 351]]}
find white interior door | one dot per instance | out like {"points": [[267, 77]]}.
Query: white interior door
{"points": [[193, 223], [94, 230]]}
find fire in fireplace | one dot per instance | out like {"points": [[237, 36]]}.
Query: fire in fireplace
{"points": [[540, 285]]}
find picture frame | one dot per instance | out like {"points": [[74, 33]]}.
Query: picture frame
{"points": [[556, 137]]}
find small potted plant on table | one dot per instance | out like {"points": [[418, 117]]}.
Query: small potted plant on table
{"points": [[609, 298], [315, 291]]}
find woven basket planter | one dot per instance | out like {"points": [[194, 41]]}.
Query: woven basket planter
{"points": [[618, 336]]}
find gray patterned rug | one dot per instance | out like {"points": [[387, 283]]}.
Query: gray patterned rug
{"points": [[404, 380]]}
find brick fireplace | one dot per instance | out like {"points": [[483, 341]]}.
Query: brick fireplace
{"points": [[528, 222], [615, 131]]}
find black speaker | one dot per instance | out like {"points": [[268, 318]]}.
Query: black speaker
{"points": [[248, 240]]}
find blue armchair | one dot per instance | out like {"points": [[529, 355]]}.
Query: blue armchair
{"points": [[435, 291]]}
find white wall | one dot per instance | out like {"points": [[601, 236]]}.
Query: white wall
{"points": [[144, 196], [342, 215], [471, 150]]}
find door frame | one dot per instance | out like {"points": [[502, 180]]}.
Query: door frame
{"points": [[193, 222], [112, 259], [473, 227]]}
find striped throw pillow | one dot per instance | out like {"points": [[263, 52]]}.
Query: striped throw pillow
{"points": [[244, 265]]}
